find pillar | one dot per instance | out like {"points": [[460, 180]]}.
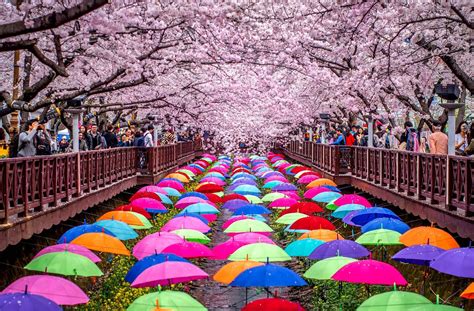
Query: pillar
{"points": [[75, 132], [451, 131], [370, 142]]}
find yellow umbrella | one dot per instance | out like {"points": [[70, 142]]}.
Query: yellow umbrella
{"points": [[321, 182], [230, 271], [179, 176]]}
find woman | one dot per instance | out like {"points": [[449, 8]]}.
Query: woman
{"points": [[124, 142], [461, 139]]}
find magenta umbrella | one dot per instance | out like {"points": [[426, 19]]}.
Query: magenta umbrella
{"points": [[155, 243], [230, 221], [57, 289], [283, 202], [224, 250], [307, 179], [276, 177], [169, 272], [148, 204], [370, 272], [186, 222], [252, 237], [152, 189], [187, 249], [352, 199], [72, 248], [210, 217], [291, 194], [185, 202], [172, 184], [311, 193], [214, 180]]}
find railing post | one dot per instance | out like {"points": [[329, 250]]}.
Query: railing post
{"points": [[398, 171], [381, 167], [418, 177], [367, 161]]}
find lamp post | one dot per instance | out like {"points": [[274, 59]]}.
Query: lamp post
{"points": [[449, 93], [76, 111]]}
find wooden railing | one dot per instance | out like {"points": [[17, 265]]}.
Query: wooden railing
{"points": [[37, 184], [445, 181]]}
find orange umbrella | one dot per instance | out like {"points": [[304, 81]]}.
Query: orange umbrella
{"points": [[321, 182], [424, 235], [98, 241], [230, 271], [468, 293], [127, 217], [322, 235], [179, 176]]}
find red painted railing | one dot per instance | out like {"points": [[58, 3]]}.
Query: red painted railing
{"points": [[30, 185]]}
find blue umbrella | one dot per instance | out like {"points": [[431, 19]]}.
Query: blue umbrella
{"points": [[26, 302], [246, 175], [171, 192], [332, 188], [326, 197], [345, 248], [362, 217], [244, 180], [120, 229], [348, 217], [272, 184], [194, 194], [386, 223], [252, 209], [73, 233], [199, 167], [149, 261], [302, 248], [418, 254], [345, 209], [268, 275], [200, 208], [201, 218], [247, 189]]}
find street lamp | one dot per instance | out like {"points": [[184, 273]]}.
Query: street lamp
{"points": [[76, 111], [449, 93]]}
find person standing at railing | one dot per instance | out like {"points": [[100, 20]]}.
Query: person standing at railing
{"points": [[26, 146], [82, 142], [110, 137], [438, 141], [148, 136], [340, 139], [461, 138]]}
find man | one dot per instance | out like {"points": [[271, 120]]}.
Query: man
{"points": [[340, 139], [96, 140], [42, 141], [438, 140], [26, 145], [110, 137], [148, 136], [410, 137]]}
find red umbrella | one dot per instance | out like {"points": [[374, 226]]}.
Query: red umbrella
{"points": [[311, 173], [234, 196], [136, 209], [298, 169], [145, 194], [307, 208], [209, 187], [272, 304], [312, 223], [240, 170], [213, 198]]}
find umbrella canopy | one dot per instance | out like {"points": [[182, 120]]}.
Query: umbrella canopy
{"points": [[370, 272], [386, 223], [268, 275], [192, 235], [187, 249], [252, 237], [200, 217], [121, 230], [64, 263], [457, 261], [59, 290], [149, 261], [364, 216], [379, 237], [181, 177], [130, 218], [429, 235], [247, 189], [251, 209], [166, 300], [307, 179], [171, 184], [149, 204], [312, 223], [26, 302], [326, 197], [155, 243], [273, 183], [171, 192], [253, 199], [290, 218], [343, 210], [73, 248], [152, 189], [308, 208], [283, 203], [169, 272], [233, 219], [233, 196], [208, 187], [272, 196], [263, 252], [214, 198], [418, 254], [395, 301], [201, 208], [227, 273], [185, 202], [326, 268], [352, 199], [321, 234], [102, 242], [136, 209], [302, 248], [75, 232], [234, 204], [193, 194], [346, 248], [185, 222], [321, 182], [225, 249], [468, 293], [248, 225], [270, 304], [285, 187], [311, 193], [146, 194]]}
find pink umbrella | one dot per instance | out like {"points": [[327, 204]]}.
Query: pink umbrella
{"points": [[72, 248], [370, 272], [223, 250], [192, 169], [186, 222], [277, 178], [148, 203], [218, 169], [252, 237], [307, 179], [214, 180], [311, 193], [352, 199], [57, 289], [155, 243], [291, 194], [169, 272], [185, 202], [152, 189], [172, 184], [210, 217], [230, 221], [187, 249], [283, 202]]}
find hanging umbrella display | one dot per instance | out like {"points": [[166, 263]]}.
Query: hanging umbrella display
{"points": [[346, 248], [290, 218], [185, 222], [187, 249], [456, 261], [155, 243], [59, 290], [251, 209], [386, 223], [343, 210], [268, 275], [429, 235], [370, 272], [169, 272], [77, 231], [396, 301], [468, 293], [121, 230], [166, 300], [418, 254], [379, 237], [312, 223], [322, 235], [262, 252], [270, 304], [248, 225], [192, 235], [102, 242], [73, 248], [27, 302], [149, 261], [302, 248], [326, 268], [352, 199], [64, 263], [326, 197], [227, 273]]}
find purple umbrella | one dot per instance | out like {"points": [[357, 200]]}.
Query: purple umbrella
{"points": [[234, 204], [72, 248], [457, 261], [346, 248], [285, 187], [26, 302], [348, 217], [418, 254]]}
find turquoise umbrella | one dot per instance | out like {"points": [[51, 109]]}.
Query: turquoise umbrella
{"points": [[215, 174], [200, 208], [121, 230], [302, 248], [247, 189], [272, 184], [345, 209], [171, 192], [165, 199], [326, 197]]}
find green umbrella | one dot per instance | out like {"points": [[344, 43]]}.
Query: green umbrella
{"points": [[65, 263], [302, 248], [253, 199], [326, 268], [290, 218], [396, 301], [248, 225], [187, 172], [260, 252], [331, 206], [192, 235], [272, 196], [380, 237], [146, 223], [167, 299]]}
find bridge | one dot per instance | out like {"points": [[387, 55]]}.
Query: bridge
{"points": [[39, 192], [434, 187]]}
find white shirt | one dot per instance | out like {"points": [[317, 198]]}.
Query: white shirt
{"points": [[148, 139], [459, 139]]}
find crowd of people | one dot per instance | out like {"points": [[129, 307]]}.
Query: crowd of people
{"points": [[426, 140], [35, 139]]}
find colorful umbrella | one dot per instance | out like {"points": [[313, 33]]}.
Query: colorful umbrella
{"points": [[192, 235], [26, 302], [395, 301], [208, 187], [121, 230], [200, 217], [227, 273], [468, 293], [171, 192], [379, 237], [171, 184], [352, 199], [307, 179], [152, 189], [253, 199], [251, 209], [64, 263], [321, 234], [386, 223], [136, 209], [271, 304], [456, 261], [73, 248], [312, 223], [149, 261], [150, 205], [308, 208], [225, 249], [285, 187], [193, 194], [268, 275], [155, 243], [59, 290], [248, 225], [185, 222], [302, 248], [102, 242], [370, 272], [185, 202], [346, 248], [181, 177], [234, 204], [169, 272], [273, 183], [166, 300], [233, 196], [77, 231], [283, 203], [252, 237], [311, 193], [272, 196], [187, 249], [364, 216], [247, 189], [326, 197], [263, 252], [321, 182], [132, 219], [200, 208], [418, 254], [429, 235], [290, 218], [343, 210], [326, 268]]}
